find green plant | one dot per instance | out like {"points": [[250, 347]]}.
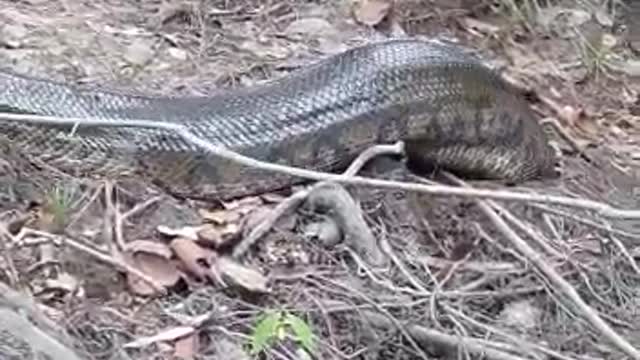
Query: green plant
{"points": [[277, 326], [58, 204], [523, 12], [595, 54]]}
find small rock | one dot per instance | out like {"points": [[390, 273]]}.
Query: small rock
{"points": [[602, 17], [139, 52], [310, 27], [12, 36], [372, 12], [330, 46], [178, 53], [564, 17], [230, 349], [521, 315], [325, 230], [609, 41], [265, 50], [240, 275]]}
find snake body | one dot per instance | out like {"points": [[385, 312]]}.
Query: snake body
{"points": [[451, 109]]}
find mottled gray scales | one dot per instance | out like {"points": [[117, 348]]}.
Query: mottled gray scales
{"points": [[453, 111]]}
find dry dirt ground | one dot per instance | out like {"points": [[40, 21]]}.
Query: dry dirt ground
{"points": [[459, 285]]}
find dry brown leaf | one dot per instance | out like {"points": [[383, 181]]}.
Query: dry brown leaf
{"points": [[139, 286], [254, 218], [210, 235], [158, 267], [220, 217], [272, 198], [153, 259], [372, 12], [286, 222], [229, 231], [240, 275], [246, 202], [195, 258], [186, 347]]}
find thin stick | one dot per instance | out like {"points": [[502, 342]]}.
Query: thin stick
{"points": [[560, 284], [140, 207], [477, 347], [108, 259], [583, 220], [602, 209], [12, 271], [517, 341]]}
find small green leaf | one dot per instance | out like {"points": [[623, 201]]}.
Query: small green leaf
{"points": [[264, 331], [301, 330]]}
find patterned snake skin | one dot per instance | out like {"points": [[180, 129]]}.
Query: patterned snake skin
{"points": [[452, 110]]}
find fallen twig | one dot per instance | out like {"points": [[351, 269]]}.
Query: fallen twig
{"points": [[387, 317], [118, 263], [429, 337], [518, 341], [12, 272], [561, 284], [583, 220]]}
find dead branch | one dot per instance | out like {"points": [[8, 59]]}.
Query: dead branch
{"points": [[428, 337], [107, 259], [561, 284], [519, 342]]}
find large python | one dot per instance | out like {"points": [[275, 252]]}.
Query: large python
{"points": [[451, 110]]}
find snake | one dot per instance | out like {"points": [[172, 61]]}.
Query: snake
{"points": [[449, 107]]}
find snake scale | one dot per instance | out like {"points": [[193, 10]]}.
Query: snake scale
{"points": [[450, 109]]}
